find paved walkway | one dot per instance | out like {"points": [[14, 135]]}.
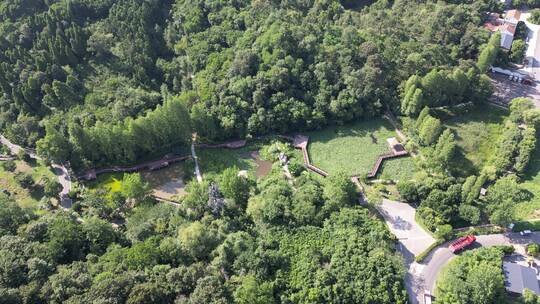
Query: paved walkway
{"points": [[400, 218], [197, 169]]}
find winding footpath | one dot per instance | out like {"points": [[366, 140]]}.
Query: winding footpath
{"points": [[423, 277], [60, 170]]}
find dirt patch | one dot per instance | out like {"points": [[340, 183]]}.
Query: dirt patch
{"points": [[23, 167], [175, 187], [263, 166], [167, 182]]}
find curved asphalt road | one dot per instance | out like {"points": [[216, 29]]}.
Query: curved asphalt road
{"points": [[422, 277], [61, 171]]}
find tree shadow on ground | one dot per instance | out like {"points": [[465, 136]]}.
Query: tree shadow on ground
{"points": [[533, 169], [461, 165]]}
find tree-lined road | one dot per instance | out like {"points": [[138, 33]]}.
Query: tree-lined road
{"points": [[423, 277]]}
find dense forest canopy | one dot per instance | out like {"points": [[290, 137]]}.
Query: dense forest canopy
{"points": [[241, 67], [112, 82], [230, 241]]}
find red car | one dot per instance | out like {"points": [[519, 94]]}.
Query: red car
{"points": [[461, 243]]}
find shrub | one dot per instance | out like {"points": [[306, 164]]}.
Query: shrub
{"points": [[422, 256], [24, 179], [52, 188], [296, 168], [507, 249], [9, 165], [444, 232], [533, 249], [534, 16], [22, 155]]}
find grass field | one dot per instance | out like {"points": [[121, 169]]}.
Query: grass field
{"points": [[28, 198], [352, 148], [476, 134], [214, 161], [112, 182], [397, 169], [531, 182]]}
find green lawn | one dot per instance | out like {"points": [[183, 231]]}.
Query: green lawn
{"points": [[28, 198], [112, 182], [531, 182], [352, 148], [214, 161], [476, 134], [397, 169]]}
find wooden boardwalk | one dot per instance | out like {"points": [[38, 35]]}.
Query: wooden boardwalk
{"points": [[382, 158], [301, 142], [151, 166], [228, 145]]}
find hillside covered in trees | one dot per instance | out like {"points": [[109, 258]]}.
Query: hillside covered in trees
{"points": [[231, 241], [79, 73], [103, 83]]}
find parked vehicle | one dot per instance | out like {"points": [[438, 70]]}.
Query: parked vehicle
{"points": [[525, 232], [462, 243]]}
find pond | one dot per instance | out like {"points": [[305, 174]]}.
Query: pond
{"points": [[263, 167]]}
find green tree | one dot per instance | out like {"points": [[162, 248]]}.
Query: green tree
{"points": [[24, 179], [66, 240], [252, 291], [430, 130], [533, 249], [407, 190], [489, 53], [133, 187], [9, 165], [99, 234], [519, 106], [445, 149], [338, 192], [12, 216], [147, 293], [526, 148], [518, 51], [234, 186], [52, 188], [470, 213], [480, 270], [54, 146], [197, 239]]}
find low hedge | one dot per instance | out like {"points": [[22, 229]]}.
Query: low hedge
{"points": [[422, 256], [533, 225], [479, 231]]}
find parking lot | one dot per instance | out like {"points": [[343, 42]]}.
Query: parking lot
{"points": [[506, 90], [400, 218]]}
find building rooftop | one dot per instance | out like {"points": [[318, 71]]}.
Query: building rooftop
{"points": [[513, 16], [518, 277], [506, 40], [494, 22], [510, 28]]}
